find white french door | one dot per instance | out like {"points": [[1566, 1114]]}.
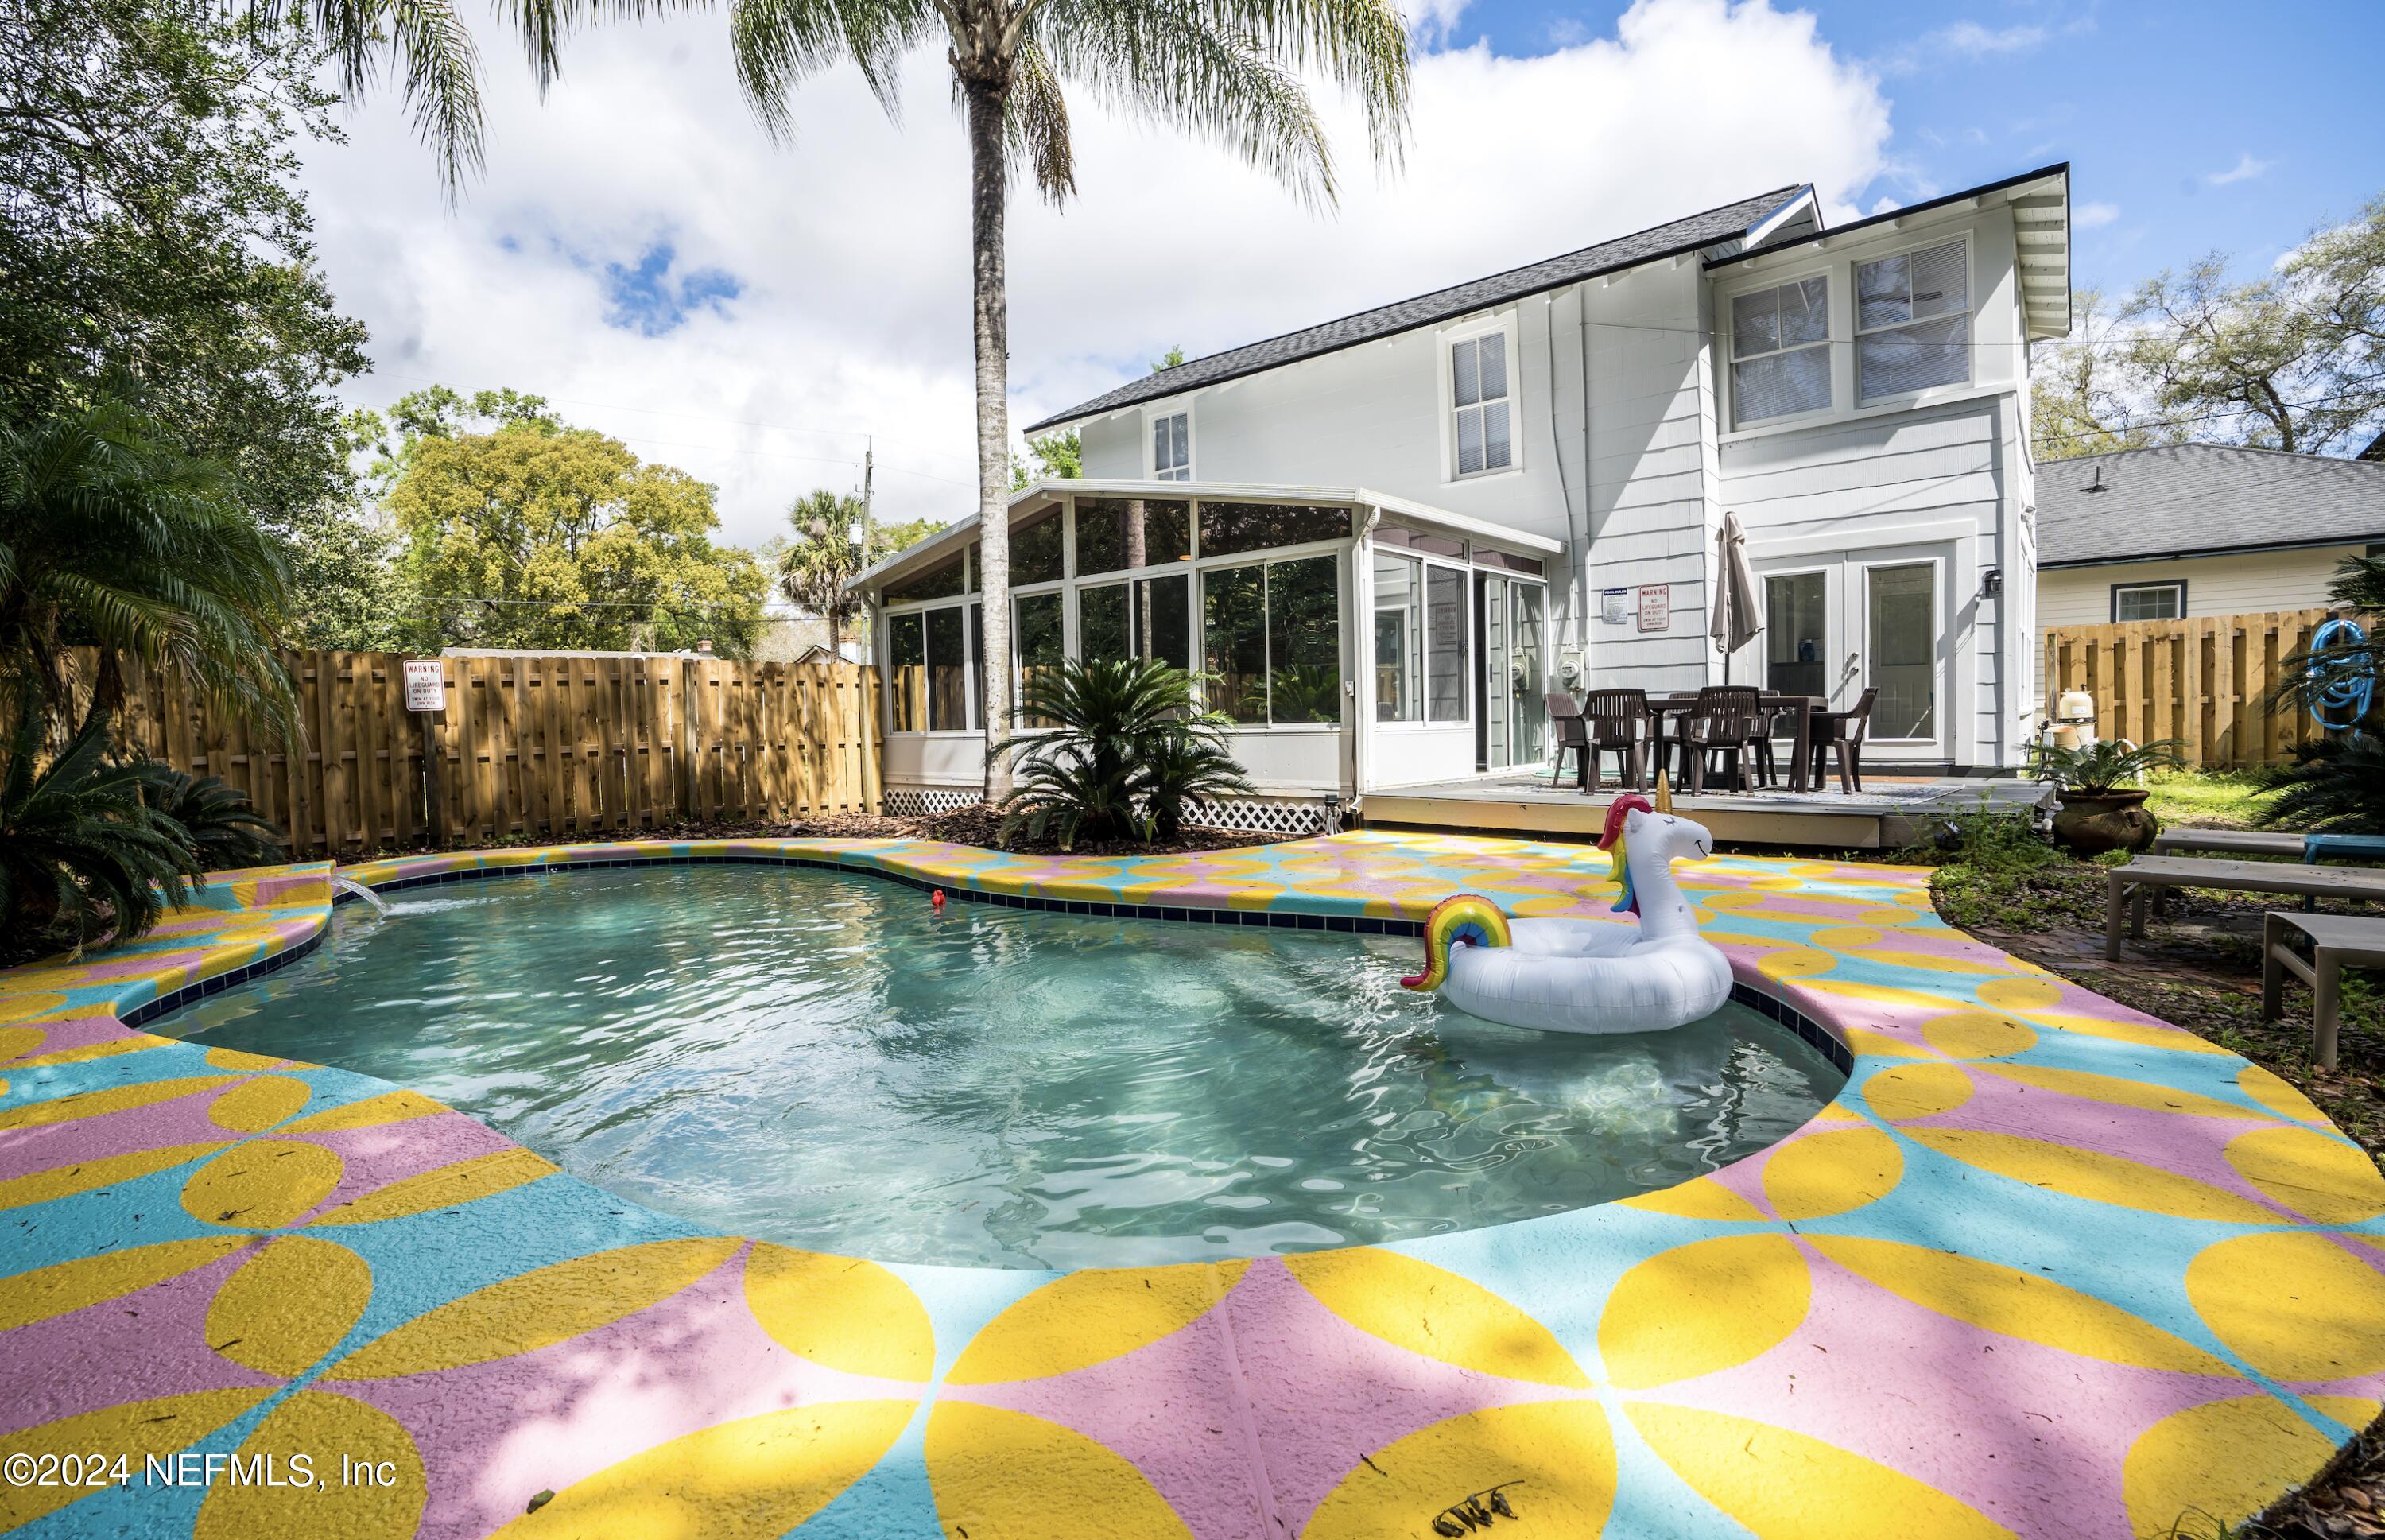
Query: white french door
{"points": [[1841, 622]]}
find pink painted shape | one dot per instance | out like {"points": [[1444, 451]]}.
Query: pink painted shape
{"points": [[45, 1146], [149, 1343], [373, 1157], [78, 1032], [2031, 1436], [1269, 1387], [493, 1434]]}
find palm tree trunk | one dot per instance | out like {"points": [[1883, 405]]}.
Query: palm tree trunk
{"points": [[988, 183]]}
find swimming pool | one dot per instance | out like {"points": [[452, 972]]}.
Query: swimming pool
{"points": [[824, 1059]]}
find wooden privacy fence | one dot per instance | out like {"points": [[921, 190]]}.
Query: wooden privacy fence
{"points": [[2204, 681], [546, 746]]}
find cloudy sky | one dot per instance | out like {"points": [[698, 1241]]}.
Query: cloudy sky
{"points": [[640, 253]]}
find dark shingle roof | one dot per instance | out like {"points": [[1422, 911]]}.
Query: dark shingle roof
{"points": [[1664, 240], [2190, 498]]}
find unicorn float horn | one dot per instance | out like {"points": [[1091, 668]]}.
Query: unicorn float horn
{"points": [[1466, 919]]}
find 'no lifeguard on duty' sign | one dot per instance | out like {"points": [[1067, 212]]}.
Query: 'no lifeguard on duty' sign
{"points": [[426, 684]]}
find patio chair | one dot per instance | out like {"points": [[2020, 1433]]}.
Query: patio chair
{"points": [[1843, 731], [1729, 719], [1565, 717], [1618, 724]]}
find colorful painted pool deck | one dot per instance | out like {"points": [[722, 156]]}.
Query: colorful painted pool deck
{"points": [[2047, 1267]]}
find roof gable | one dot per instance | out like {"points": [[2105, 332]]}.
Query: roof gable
{"points": [[1698, 231], [2192, 498]]}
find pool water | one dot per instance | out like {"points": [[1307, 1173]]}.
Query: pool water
{"points": [[824, 1059]]}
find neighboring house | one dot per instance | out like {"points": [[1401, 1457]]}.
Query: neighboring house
{"points": [[2198, 529], [1421, 517]]}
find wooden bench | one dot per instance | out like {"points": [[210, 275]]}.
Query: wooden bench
{"points": [[2336, 939], [2242, 842], [2129, 886]]}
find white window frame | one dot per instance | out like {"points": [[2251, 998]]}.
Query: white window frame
{"points": [[1503, 326], [1970, 313], [1152, 416], [1425, 721], [2175, 585], [1942, 645], [1836, 282]]}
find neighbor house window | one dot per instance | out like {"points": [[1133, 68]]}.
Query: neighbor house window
{"points": [[1913, 323], [1478, 372], [1171, 447], [1780, 351], [2148, 601], [1272, 641]]}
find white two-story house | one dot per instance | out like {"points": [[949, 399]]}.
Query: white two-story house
{"points": [[1384, 538]]}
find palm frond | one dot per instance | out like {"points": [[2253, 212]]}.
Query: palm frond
{"points": [[1036, 123]]}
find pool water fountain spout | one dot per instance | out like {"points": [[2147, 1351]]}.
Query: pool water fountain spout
{"points": [[350, 885]]}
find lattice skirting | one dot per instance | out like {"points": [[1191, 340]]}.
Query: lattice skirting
{"points": [[924, 801], [1271, 815], [1255, 815]]}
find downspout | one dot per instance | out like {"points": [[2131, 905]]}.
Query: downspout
{"points": [[1577, 549]]}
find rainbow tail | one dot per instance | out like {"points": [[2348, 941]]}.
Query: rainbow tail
{"points": [[1468, 919]]}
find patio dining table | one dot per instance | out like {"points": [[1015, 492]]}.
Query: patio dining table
{"points": [[1665, 709]]}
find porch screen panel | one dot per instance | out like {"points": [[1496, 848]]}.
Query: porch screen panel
{"points": [[948, 672], [1233, 624], [1163, 620], [1036, 551], [1399, 639], [1103, 634], [1115, 534], [1903, 651], [907, 656], [1229, 529], [940, 582], [1529, 720], [1037, 639], [1304, 640], [1795, 637], [1445, 644]]}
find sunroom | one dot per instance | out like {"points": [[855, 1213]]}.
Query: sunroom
{"points": [[1307, 612]]}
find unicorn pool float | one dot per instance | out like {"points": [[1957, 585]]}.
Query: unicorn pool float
{"points": [[1589, 975]]}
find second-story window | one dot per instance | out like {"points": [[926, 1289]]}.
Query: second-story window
{"points": [[1171, 447], [1780, 351], [1478, 372], [1913, 323]]}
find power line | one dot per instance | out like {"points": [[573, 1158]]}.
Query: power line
{"points": [[2203, 417]]}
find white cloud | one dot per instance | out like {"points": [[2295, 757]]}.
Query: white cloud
{"points": [[2245, 170], [2094, 216], [1966, 41], [848, 251]]}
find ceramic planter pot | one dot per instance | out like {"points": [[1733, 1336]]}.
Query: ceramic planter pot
{"points": [[2092, 822]]}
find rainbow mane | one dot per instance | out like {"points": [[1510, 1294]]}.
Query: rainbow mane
{"points": [[1612, 843], [1466, 919]]}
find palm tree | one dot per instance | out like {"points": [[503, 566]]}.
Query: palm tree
{"points": [[1233, 71], [823, 556], [111, 538]]}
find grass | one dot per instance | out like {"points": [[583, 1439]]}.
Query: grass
{"points": [[2206, 798]]}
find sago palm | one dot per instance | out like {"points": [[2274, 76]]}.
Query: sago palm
{"points": [[1233, 71]]}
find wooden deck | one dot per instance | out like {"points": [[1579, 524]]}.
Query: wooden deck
{"points": [[1890, 812]]}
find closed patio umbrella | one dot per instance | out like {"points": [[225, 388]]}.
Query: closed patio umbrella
{"points": [[1736, 617]]}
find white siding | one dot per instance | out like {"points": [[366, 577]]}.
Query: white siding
{"points": [[1652, 469], [2247, 582]]}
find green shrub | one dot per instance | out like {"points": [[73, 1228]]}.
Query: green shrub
{"points": [[1127, 746], [81, 852], [224, 829]]}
